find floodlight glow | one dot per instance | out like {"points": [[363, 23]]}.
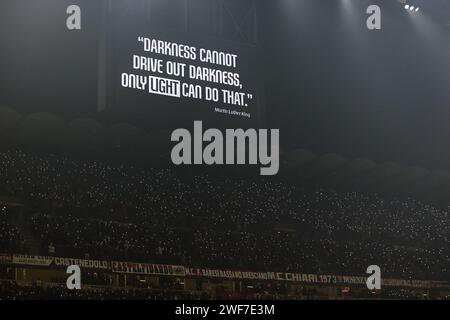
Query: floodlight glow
{"points": [[411, 7]]}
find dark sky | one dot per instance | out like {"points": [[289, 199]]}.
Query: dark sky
{"points": [[330, 84]]}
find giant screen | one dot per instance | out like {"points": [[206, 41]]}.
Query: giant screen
{"points": [[154, 63]]}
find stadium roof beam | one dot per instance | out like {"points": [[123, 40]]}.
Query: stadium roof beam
{"points": [[241, 16]]}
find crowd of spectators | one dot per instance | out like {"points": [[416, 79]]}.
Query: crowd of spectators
{"points": [[122, 212], [10, 238], [11, 290]]}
